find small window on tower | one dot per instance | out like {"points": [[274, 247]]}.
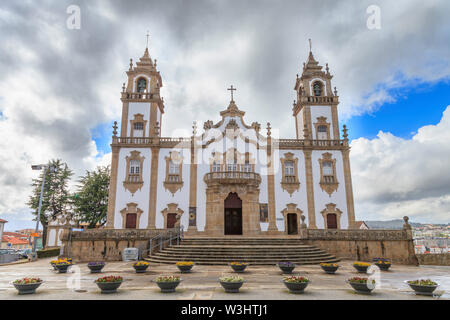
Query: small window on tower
{"points": [[135, 166], [142, 85], [138, 129], [317, 88], [322, 132]]}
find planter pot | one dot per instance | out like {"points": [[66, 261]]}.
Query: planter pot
{"points": [[185, 269], [62, 268], [168, 286], [232, 287], [96, 269], [423, 290], [108, 287], [361, 269], [296, 287], [361, 287], [329, 270], [29, 288], [140, 269], [287, 269], [383, 266], [238, 268]]}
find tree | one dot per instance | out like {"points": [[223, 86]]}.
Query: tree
{"points": [[55, 196], [91, 200]]}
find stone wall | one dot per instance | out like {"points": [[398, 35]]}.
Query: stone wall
{"points": [[434, 259], [107, 244], [364, 245]]}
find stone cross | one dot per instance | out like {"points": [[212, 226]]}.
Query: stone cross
{"points": [[232, 89]]}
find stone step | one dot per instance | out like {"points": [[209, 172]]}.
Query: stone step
{"points": [[257, 251], [251, 262]]}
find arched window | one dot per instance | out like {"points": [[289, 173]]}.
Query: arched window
{"points": [[141, 85], [317, 88]]}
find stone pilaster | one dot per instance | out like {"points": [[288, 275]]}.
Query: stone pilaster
{"points": [[112, 187], [348, 188], [153, 189], [193, 183], [310, 190]]}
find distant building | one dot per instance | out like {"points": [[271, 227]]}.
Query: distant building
{"points": [[361, 225], [2, 226], [11, 242]]}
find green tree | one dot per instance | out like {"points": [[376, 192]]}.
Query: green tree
{"points": [[55, 196], [91, 200]]}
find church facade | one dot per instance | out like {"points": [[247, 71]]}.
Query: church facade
{"points": [[231, 178]]}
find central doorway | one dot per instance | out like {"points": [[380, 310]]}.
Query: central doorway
{"points": [[292, 223], [233, 214]]}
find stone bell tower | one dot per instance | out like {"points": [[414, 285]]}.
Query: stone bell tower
{"points": [[315, 110], [143, 106]]}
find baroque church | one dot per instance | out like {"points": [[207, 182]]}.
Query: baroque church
{"points": [[231, 178]]}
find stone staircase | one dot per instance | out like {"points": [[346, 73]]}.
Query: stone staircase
{"points": [[255, 251]]}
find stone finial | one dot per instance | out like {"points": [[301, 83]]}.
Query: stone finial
{"points": [[345, 130], [406, 225], [303, 224], [157, 128], [305, 132], [194, 128], [297, 75], [115, 129], [294, 103], [155, 63], [327, 69], [131, 64], [268, 129], [123, 87], [335, 91]]}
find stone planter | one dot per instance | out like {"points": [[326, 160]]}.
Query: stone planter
{"points": [[96, 268], [422, 290], [62, 268], [29, 288], [361, 287], [383, 266], [239, 268], [329, 270], [185, 269], [296, 287], [361, 269], [140, 269], [168, 286], [108, 287], [231, 287], [286, 268]]}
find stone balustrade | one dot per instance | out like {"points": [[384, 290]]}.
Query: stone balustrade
{"points": [[232, 177], [347, 234]]}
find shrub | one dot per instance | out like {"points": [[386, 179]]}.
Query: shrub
{"points": [[46, 253]]}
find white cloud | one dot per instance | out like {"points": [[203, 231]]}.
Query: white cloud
{"points": [[394, 177]]}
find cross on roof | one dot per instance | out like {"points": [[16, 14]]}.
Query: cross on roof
{"points": [[148, 35], [232, 89]]}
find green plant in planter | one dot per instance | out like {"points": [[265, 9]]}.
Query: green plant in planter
{"points": [[109, 284], [423, 286], [27, 285], [168, 283], [296, 284], [231, 284], [167, 279], [362, 285]]}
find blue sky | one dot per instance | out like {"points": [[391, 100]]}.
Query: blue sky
{"points": [[414, 107]]}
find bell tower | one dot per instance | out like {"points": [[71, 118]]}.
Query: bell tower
{"points": [[142, 105], [315, 110]]}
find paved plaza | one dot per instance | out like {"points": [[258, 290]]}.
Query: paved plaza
{"points": [[201, 284]]}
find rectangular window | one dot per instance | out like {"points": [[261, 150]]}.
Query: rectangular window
{"points": [[289, 168], [327, 168], [135, 166], [138, 129]]}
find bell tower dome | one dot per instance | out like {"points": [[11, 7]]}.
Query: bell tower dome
{"points": [[315, 110]]}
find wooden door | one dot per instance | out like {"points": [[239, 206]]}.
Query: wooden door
{"points": [[131, 221], [331, 221], [171, 220], [233, 221], [292, 223]]}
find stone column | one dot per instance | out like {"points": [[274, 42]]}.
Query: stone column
{"points": [[193, 183], [112, 186], [153, 189], [272, 228], [310, 189]]}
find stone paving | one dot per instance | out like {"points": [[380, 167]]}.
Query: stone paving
{"points": [[201, 284]]}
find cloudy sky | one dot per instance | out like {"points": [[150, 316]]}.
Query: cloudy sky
{"points": [[60, 87]]}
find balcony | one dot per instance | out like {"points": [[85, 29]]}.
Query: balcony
{"points": [[140, 96], [232, 177]]}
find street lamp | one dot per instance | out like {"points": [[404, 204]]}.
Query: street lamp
{"points": [[46, 168]]}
